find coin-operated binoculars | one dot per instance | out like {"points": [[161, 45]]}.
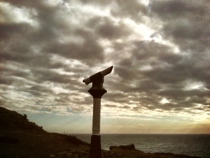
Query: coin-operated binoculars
{"points": [[97, 91]]}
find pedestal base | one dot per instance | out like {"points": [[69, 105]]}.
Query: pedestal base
{"points": [[95, 147]]}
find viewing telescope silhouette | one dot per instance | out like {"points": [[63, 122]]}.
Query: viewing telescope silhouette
{"points": [[98, 75], [97, 91]]}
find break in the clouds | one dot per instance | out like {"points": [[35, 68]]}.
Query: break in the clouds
{"points": [[159, 49]]}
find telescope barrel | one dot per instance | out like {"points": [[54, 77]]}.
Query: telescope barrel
{"points": [[103, 73]]}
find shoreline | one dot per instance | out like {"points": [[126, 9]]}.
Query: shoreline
{"points": [[21, 138], [40, 144], [177, 144]]}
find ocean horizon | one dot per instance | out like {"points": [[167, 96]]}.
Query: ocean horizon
{"points": [[186, 144]]}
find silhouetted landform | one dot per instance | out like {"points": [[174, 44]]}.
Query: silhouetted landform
{"points": [[22, 138], [123, 147], [12, 120], [129, 151]]}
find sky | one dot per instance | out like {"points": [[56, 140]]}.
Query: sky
{"points": [[160, 51]]}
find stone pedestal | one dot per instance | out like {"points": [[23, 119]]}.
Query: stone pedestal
{"points": [[95, 147]]}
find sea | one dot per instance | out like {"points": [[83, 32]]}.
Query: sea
{"points": [[192, 145]]}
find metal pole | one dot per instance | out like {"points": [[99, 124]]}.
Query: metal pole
{"points": [[96, 116]]}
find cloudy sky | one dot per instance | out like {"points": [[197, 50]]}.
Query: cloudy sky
{"points": [[159, 49]]}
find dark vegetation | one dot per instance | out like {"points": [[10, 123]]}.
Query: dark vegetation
{"points": [[20, 138]]}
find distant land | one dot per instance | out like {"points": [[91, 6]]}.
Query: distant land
{"points": [[21, 138]]}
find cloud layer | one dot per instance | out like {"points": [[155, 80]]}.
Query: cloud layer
{"points": [[159, 50]]}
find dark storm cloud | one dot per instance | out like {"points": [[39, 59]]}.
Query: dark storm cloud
{"points": [[110, 29], [162, 73], [125, 73], [116, 97], [5, 80], [185, 22], [10, 30], [37, 90], [177, 93], [48, 75], [147, 85], [167, 9], [86, 50], [154, 53], [14, 45], [160, 61], [22, 3]]}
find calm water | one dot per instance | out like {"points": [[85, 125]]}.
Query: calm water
{"points": [[194, 145]]}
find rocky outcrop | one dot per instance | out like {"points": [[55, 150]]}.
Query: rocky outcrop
{"points": [[129, 151], [14, 121], [123, 147]]}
